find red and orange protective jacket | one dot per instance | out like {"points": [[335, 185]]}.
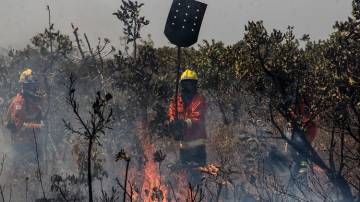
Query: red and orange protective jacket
{"points": [[304, 114], [193, 114], [22, 117]]}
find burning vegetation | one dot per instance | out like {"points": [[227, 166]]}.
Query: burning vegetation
{"points": [[91, 122]]}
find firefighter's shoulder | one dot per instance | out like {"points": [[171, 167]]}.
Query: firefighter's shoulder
{"points": [[200, 98], [17, 102]]}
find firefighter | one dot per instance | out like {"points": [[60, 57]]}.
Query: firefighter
{"points": [[23, 118], [301, 114], [188, 125]]}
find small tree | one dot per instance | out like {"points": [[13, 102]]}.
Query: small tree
{"points": [[284, 74], [91, 129], [129, 15], [217, 65]]}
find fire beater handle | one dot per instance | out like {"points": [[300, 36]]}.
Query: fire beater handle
{"points": [[177, 81]]}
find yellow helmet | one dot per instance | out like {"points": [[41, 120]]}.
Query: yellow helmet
{"points": [[189, 75], [26, 75]]}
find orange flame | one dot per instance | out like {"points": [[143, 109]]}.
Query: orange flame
{"points": [[152, 188]]}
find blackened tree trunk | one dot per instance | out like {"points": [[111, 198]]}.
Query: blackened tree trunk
{"points": [[89, 169]]}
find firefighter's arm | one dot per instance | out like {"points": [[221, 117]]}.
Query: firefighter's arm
{"points": [[174, 125], [33, 125], [292, 112], [17, 115], [171, 112], [197, 112], [173, 122]]}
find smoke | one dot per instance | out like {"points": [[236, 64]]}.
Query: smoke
{"points": [[252, 165]]}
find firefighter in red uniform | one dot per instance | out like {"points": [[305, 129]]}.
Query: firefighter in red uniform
{"points": [[188, 126], [302, 115], [23, 118]]}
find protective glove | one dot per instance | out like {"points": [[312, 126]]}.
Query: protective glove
{"points": [[180, 124], [177, 128]]}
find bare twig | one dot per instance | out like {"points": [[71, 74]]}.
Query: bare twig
{"points": [[76, 34], [50, 29], [195, 193], [126, 178], [89, 46], [38, 164], [10, 193], [2, 193], [123, 188], [26, 188], [123, 156], [172, 190]]}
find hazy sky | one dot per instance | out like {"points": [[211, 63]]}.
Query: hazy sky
{"points": [[224, 19]]}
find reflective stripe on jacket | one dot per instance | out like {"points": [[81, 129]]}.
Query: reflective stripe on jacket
{"points": [[20, 112], [303, 113], [195, 112]]}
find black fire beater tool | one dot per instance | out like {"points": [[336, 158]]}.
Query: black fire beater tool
{"points": [[182, 29]]}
